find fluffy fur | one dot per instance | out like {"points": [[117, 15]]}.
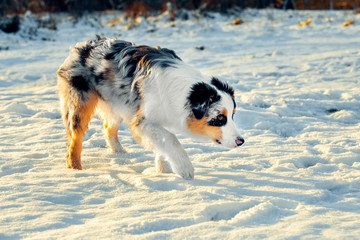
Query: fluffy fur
{"points": [[153, 91]]}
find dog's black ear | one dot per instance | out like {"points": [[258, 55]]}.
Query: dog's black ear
{"points": [[199, 109], [202, 95], [222, 86]]}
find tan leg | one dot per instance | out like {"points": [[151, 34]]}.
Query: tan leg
{"points": [[79, 124], [111, 136], [74, 151]]}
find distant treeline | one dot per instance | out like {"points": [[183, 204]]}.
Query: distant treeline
{"points": [[141, 7]]}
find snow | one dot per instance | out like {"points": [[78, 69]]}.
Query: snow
{"points": [[298, 107]]}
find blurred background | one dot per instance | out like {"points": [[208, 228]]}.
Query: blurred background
{"points": [[34, 14], [144, 7]]}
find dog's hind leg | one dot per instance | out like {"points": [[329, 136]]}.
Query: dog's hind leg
{"points": [[76, 109], [111, 124], [79, 119], [111, 135], [162, 166]]}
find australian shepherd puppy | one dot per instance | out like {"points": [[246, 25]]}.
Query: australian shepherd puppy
{"points": [[153, 91]]}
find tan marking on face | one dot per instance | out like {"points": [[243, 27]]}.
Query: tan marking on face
{"points": [[224, 112], [200, 127]]}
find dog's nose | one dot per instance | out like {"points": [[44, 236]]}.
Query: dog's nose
{"points": [[239, 141]]}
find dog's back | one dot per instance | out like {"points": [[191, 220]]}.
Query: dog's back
{"points": [[111, 69]]}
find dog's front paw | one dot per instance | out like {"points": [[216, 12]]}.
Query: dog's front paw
{"points": [[185, 171]]}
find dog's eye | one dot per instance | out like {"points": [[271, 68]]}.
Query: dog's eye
{"points": [[218, 121]]}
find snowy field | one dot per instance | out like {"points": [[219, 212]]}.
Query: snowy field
{"points": [[298, 108]]}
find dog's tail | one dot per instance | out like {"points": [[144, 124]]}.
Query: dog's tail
{"points": [[65, 102]]}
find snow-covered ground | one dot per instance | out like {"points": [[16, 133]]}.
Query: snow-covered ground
{"points": [[297, 176]]}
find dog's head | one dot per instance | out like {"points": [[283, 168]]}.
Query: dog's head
{"points": [[212, 111]]}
